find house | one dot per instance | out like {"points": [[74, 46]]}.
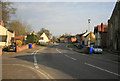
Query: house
{"points": [[72, 39], [62, 39], [90, 36], [80, 37], [5, 35], [44, 38], [86, 40], [16, 38], [100, 32], [113, 35]]}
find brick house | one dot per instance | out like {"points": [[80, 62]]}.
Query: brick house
{"points": [[100, 32], [113, 35], [80, 37]]}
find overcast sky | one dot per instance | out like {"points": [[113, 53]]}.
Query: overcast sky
{"points": [[64, 17]]}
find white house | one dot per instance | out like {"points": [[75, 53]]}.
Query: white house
{"points": [[44, 38], [5, 36]]}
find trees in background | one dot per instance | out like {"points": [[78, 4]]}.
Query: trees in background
{"points": [[7, 10], [32, 38], [54, 39], [19, 27], [43, 30]]}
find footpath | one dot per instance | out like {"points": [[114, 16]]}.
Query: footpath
{"points": [[112, 56]]}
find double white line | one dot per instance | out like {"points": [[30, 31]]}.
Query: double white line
{"points": [[38, 69]]}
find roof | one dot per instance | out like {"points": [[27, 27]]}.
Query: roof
{"points": [[81, 34], [87, 34], [18, 37], [98, 28]]}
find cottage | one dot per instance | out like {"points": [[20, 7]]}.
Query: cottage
{"points": [[44, 38], [80, 37], [5, 35], [90, 36]]}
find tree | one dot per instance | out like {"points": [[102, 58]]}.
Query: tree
{"points": [[43, 30], [32, 38], [7, 11], [19, 27], [54, 39]]}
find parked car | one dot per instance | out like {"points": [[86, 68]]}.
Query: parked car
{"points": [[11, 48], [97, 49], [78, 45]]}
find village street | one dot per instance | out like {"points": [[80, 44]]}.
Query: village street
{"points": [[58, 62]]}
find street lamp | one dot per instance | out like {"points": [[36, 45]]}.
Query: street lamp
{"points": [[89, 32]]}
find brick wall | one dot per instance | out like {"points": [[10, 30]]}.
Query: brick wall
{"points": [[24, 47]]}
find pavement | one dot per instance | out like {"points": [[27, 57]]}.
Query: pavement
{"points": [[57, 62], [110, 56]]}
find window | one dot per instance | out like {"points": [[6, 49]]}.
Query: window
{"points": [[3, 38], [41, 38]]}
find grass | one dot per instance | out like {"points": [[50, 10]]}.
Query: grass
{"points": [[71, 46], [42, 44]]}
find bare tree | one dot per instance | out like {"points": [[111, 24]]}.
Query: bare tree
{"points": [[7, 10]]}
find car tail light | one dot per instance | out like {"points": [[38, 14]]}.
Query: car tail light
{"points": [[8, 47]]}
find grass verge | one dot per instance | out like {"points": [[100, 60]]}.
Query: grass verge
{"points": [[71, 46]]}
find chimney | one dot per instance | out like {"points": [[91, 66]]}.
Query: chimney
{"points": [[91, 32], [102, 27], [2, 23], [86, 30]]}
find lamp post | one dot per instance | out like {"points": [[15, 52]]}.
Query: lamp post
{"points": [[89, 32]]}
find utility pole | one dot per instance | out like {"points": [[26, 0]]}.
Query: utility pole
{"points": [[89, 32]]}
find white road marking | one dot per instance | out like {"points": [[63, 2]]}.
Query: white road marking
{"points": [[70, 57], [37, 67], [101, 69], [29, 67], [58, 50], [35, 60], [66, 55]]}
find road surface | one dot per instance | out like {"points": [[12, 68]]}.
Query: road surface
{"points": [[57, 62]]}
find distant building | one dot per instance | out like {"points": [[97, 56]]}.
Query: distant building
{"points": [[5, 36], [100, 32], [44, 38], [71, 39], [90, 36], [80, 37], [113, 36], [16, 38]]}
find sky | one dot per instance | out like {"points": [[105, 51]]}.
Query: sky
{"points": [[64, 17]]}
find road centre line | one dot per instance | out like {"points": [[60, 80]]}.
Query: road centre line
{"points": [[66, 55], [58, 50], [101, 69], [70, 57]]}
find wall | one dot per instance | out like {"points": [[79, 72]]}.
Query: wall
{"points": [[104, 40], [24, 47], [113, 36]]}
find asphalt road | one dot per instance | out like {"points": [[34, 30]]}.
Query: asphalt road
{"points": [[57, 62]]}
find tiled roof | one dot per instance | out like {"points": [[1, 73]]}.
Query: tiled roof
{"points": [[18, 37], [98, 28]]}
